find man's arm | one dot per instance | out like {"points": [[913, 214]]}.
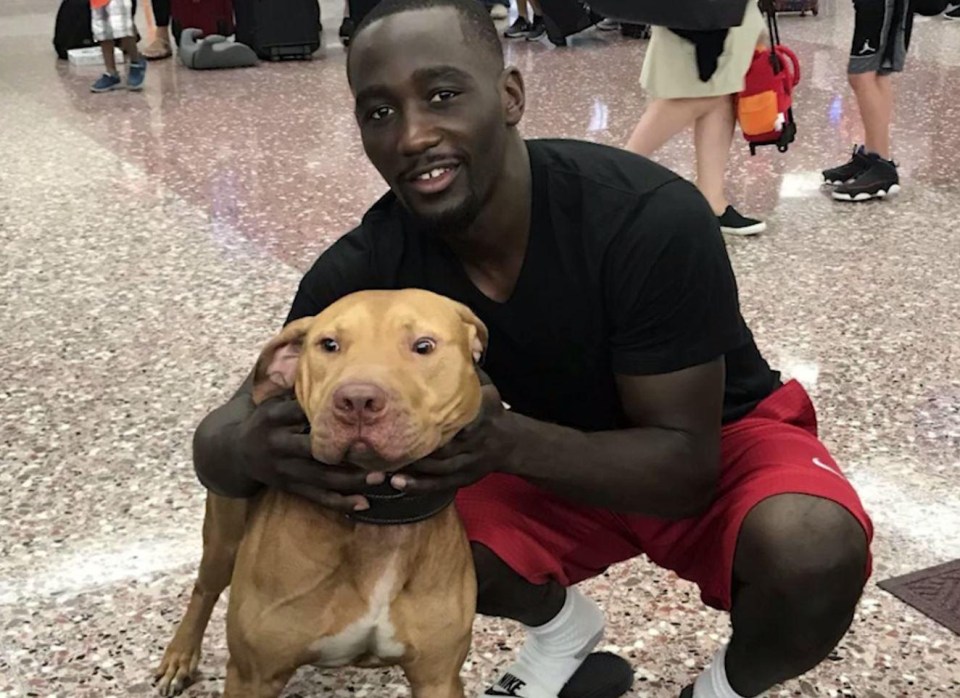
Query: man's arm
{"points": [[665, 466], [216, 446]]}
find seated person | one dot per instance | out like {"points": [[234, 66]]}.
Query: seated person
{"points": [[643, 418]]}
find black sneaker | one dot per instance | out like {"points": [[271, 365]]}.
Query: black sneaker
{"points": [[858, 164], [537, 29], [952, 11], [733, 223], [687, 692], [602, 675], [878, 181], [519, 29]]}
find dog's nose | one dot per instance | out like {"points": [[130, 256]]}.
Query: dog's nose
{"points": [[355, 401]]}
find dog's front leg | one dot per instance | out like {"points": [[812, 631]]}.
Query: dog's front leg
{"points": [[223, 527]]}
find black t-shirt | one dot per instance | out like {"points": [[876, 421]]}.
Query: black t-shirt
{"points": [[625, 272]]}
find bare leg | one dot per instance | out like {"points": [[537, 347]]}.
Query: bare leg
{"points": [[109, 60], [522, 10], [663, 119], [713, 134], [790, 544], [875, 100], [129, 46]]}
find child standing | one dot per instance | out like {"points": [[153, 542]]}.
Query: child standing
{"points": [[881, 36], [112, 21]]}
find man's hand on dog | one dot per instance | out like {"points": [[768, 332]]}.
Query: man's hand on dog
{"points": [[276, 448], [480, 448]]}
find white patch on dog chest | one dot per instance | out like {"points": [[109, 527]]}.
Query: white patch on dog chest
{"points": [[371, 635]]}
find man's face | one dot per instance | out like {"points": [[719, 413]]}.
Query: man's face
{"points": [[432, 114]]}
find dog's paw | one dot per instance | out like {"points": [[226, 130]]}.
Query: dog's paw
{"points": [[176, 671]]}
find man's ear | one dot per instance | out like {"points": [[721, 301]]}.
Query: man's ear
{"points": [[513, 95], [276, 368]]}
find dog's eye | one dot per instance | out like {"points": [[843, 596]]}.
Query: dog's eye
{"points": [[424, 346], [329, 345]]}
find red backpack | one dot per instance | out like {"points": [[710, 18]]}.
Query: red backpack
{"points": [[765, 106]]}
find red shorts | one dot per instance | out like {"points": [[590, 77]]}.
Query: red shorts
{"points": [[773, 450]]}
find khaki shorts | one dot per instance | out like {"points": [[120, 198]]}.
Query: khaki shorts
{"points": [[670, 66], [113, 21]]}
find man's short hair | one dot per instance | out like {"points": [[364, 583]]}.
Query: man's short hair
{"points": [[479, 30]]}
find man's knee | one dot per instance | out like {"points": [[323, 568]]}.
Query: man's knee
{"points": [[504, 593], [794, 543]]}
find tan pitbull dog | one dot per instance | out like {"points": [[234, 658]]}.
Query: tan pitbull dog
{"points": [[385, 378]]}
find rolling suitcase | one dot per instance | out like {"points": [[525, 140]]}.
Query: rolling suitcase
{"points": [[564, 18], [209, 16], [279, 30], [765, 105], [801, 6]]}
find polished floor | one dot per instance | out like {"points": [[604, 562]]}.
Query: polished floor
{"points": [[151, 241]]}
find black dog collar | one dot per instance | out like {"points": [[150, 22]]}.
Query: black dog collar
{"points": [[389, 506]]}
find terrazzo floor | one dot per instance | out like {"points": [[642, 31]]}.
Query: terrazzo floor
{"points": [[151, 241]]}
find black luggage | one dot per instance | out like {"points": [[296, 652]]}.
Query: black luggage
{"points": [[72, 29], [801, 6], [566, 17], [279, 29]]}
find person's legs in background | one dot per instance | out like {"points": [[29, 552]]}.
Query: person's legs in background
{"points": [[348, 26], [525, 27], [521, 25], [110, 80], [874, 93], [713, 119], [881, 37], [138, 65], [712, 137], [109, 23], [160, 47]]}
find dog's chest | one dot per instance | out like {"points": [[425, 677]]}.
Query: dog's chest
{"points": [[371, 637]]}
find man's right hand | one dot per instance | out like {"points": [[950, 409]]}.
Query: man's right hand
{"points": [[274, 445]]}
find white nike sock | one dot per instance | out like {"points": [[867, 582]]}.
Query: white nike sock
{"points": [[713, 683], [553, 652]]}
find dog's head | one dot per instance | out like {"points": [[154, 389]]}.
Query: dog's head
{"points": [[384, 377]]}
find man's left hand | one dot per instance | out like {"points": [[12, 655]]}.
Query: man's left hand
{"points": [[480, 448]]}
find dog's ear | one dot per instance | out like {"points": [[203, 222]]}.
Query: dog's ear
{"points": [[476, 332], [276, 368]]}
